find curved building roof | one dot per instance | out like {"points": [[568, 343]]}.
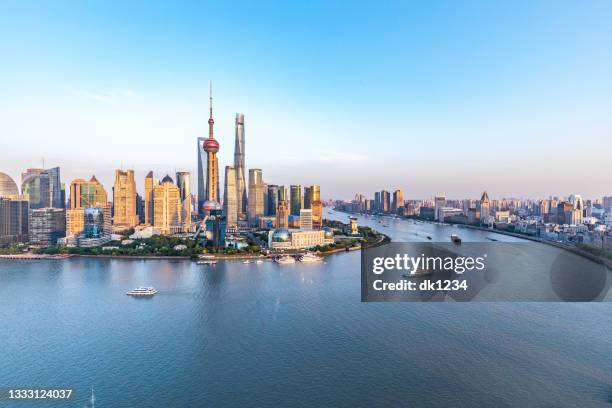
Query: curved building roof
{"points": [[8, 187]]}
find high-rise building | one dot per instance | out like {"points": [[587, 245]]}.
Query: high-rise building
{"points": [[439, 204], [398, 201], [485, 208], [272, 199], [55, 188], [215, 229], [87, 194], [13, 217], [201, 176], [311, 193], [230, 197], [385, 198], [149, 184], [124, 200], [317, 214], [377, 202], [307, 197], [35, 186], [296, 199], [282, 214], [256, 196], [42, 187], [283, 194], [167, 208], [306, 218], [241, 193], [183, 181], [211, 147], [47, 225]]}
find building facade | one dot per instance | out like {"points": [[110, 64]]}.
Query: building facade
{"points": [[256, 196], [124, 200], [230, 197], [167, 208], [239, 169], [296, 199], [47, 225]]}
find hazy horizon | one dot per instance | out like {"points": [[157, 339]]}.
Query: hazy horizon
{"points": [[453, 98]]}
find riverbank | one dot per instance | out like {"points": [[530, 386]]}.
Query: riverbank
{"points": [[571, 248]]}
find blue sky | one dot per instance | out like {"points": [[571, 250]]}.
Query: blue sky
{"points": [[453, 97]]}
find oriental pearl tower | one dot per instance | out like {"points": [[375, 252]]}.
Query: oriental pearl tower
{"points": [[211, 147]]}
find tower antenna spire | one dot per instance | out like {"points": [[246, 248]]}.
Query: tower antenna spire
{"points": [[211, 121]]}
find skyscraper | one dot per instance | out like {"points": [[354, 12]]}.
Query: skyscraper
{"points": [[317, 214], [283, 194], [255, 196], [167, 207], [47, 225], [87, 194], [183, 181], [296, 199], [201, 175], [230, 197], [439, 203], [485, 207], [241, 193], [312, 193], [13, 218], [55, 188], [35, 185], [272, 199], [149, 183], [282, 214], [398, 200], [211, 147], [124, 200]]}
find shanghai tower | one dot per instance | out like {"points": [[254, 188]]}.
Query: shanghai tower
{"points": [[241, 196]]}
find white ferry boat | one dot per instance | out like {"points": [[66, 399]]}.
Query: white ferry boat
{"points": [[310, 258], [285, 260], [142, 291]]}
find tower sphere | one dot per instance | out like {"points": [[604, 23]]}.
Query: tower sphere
{"points": [[211, 145]]}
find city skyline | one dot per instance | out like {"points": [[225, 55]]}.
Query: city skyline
{"points": [[530, 119]]}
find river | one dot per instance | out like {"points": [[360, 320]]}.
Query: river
{"points": [[289, 335]]}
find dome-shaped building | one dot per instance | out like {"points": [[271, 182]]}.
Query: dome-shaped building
{"points": [[281, 235], [8, 187], [328, 233]]}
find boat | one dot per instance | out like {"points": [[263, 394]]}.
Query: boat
{"points": [[310, 258], [207, 262], [285, 260], [142, 291], [455, 238], [246, 261], [259, 261]]}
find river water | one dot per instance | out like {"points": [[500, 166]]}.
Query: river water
{"points": [[289, 335]]}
